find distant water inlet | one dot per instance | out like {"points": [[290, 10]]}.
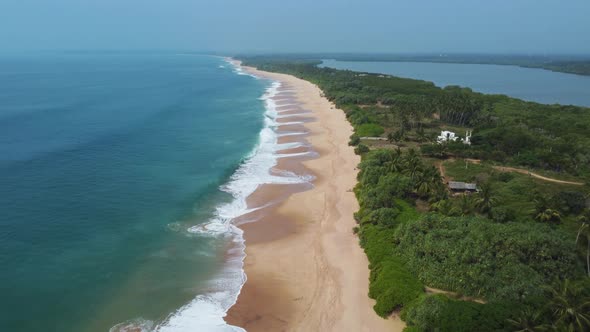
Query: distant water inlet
{"points": [[529, 84]]}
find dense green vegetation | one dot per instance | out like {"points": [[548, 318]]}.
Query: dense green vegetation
{"points": [[517, 197], [507, 261], [392, 285], [432, 312], [507, 264], [502, 256], [507, 130]]}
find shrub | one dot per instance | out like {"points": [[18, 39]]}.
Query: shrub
{"points": [[440, 313], [391, 284], [505, 176], [389, 187], [384, 217], [570, 202], [411, 329], [354, 140], [425, 312], [429, 149], [361, 149], [502, 214], [407, 211], [369, 130]]}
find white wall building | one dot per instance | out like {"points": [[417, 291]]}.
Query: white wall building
{"points": [[449, 136], [467, 139]]}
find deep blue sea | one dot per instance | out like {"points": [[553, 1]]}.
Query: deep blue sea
{"points": [[106, 162], [531, 84]]}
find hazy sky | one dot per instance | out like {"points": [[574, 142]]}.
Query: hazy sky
{"points": [[522, 26]]}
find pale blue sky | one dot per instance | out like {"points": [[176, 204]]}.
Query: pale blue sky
{"points": [[497, 26]]}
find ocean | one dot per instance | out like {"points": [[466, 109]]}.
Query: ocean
{"points": [[531, 84], [120, 175]]}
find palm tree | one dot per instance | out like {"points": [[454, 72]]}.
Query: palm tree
{"points": [[466, 205], [395, 164], [485, 200], [428, 182], [397, 137], [413, 163], [445, 207], [542, 203], [548, 215], [528, 321], [441, 150], [391, 138], [421, 134], [584, 231], [422, 185], [568, 307]]}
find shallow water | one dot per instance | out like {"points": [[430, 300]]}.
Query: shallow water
{"points": [[106, 163]]}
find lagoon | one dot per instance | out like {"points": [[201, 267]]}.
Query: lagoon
{"points": [[531, 84]]}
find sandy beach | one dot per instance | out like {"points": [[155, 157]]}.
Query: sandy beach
{"points": [[305, 268]]}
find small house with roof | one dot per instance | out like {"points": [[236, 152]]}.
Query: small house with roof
{"points": [[462, 187]]}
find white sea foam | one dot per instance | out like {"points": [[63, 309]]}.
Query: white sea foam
{"points": [[287, 123], [290, 115], [252, 173], [238, 70], [297, 154], [206, 311], [286, 146], [134, 325], [296, 133]]}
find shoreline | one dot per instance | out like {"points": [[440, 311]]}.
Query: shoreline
{"points": [[305, 269]]}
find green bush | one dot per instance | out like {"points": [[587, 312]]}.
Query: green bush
{"points": [[502, 214], [369, 130], [425, 312], [383, 217], [412, 329], [440, 313], [361, 149], [391, 284], [570, 202], [354, 140], [407, 211], [389, 187]]}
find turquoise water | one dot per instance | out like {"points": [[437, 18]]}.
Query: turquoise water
{"points": [[105, 162], [530, 84]]}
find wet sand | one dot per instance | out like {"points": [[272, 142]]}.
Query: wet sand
{"points": [[305, 269]]}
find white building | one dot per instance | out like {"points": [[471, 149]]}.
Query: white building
{"points": [[449, 136], [467, 139]]}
